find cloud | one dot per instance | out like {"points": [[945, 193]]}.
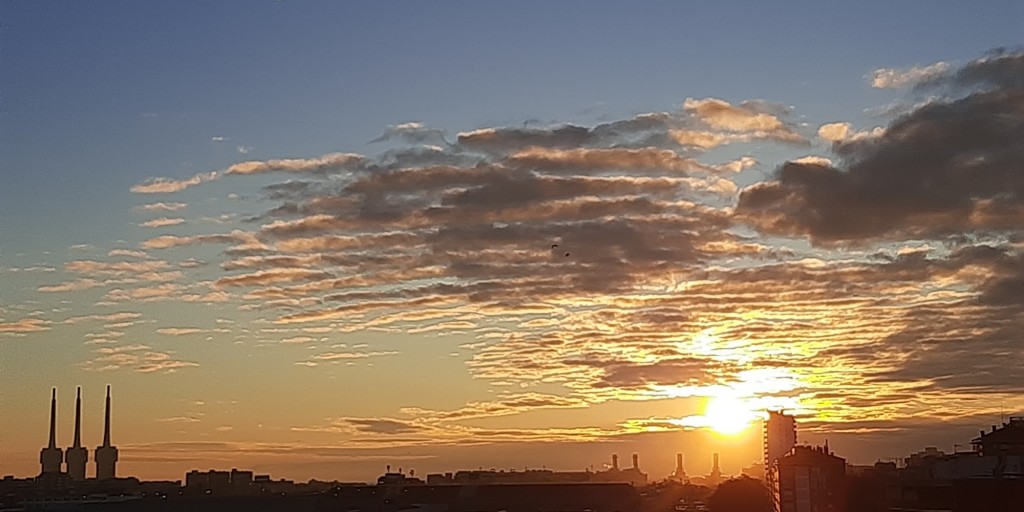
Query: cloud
{"points": [[111, 317], [328, 162], [70, 286], [170, 185], [721, 115], [383, 426], [947, 168], [178, 331], [114, 268], [414, 133], [834, 132], [144, 294], [893, 78], [127, 252], [25, 325], [138, 358], [325, 163], [610, 262], [162, 222], [638, 130], [548, 159], [161, 207]]}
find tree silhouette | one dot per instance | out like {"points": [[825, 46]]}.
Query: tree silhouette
{"points": [[743, 494]]}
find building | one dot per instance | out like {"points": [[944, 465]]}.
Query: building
{"points": [[106, 454], [76, 456], [1002, 441], [779, 436], [51, 457], [632, 476], [808, 479]]}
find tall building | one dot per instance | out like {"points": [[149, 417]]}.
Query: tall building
{"points": [[779, 436], [51, 457], [106, 455], [808, 479], [76, 456]]}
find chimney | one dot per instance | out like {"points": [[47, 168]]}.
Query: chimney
{"points": [[53, 420], [993, 428], [636, 461], [51, 457], [615, 461], [106, 420], [77, 443], [106, 455], [76, 456]]}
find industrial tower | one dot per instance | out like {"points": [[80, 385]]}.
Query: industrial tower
{"points": [[76, 456], [51, 457], [106, 455]]}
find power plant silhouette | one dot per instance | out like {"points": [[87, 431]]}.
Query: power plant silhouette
{"points": [[77, 456]]}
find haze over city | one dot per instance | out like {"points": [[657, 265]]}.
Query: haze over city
{"points": [[315, 239]]}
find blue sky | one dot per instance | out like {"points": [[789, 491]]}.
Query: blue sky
{"points": [[100, 98], [294, 78]]}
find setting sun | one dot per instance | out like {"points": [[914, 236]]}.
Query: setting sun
{"points": [[727, 415]]}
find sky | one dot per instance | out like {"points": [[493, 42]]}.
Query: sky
{"points": [[315, 238]]}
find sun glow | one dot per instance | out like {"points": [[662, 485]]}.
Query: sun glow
{"points": [[727, 415]]}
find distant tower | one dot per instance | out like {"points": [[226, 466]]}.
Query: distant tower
{"points": [[679, 473], [779, 436], [106, 455], [76, 456], [636, 461], [615, 462], [51, 457], [716, 472]]}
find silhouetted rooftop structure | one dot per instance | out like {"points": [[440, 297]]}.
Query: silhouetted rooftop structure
{"points": [[1005, 440]]}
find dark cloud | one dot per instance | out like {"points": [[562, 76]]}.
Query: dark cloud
{"points": [[945, 169], [383, 426], [413, 132], [1001, 68]]}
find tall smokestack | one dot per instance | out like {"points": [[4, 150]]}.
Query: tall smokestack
{"points": [[51, 457], [77, 443], [679, 473], [615, 461], [636, 461], [76, 456], [106, 421], [53, 419], [106, 455]]}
